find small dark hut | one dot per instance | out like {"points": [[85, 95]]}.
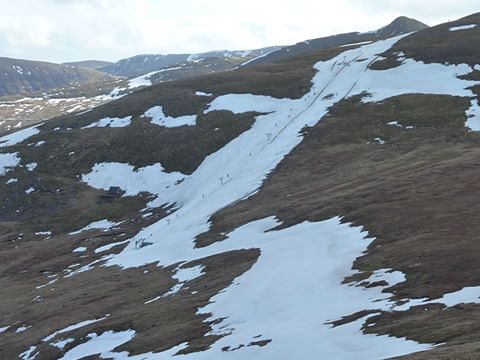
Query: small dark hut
{"points": [[113, 193]]}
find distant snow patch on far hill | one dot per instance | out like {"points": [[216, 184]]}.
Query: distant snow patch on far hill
{"points": [[258, 57], [8, 161], [463, 27], [356, 44], [19, 136], [144, 80], [159, 118], [110, 122]]}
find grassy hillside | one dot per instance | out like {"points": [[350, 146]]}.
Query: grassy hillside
{"points": [[24, 76]]}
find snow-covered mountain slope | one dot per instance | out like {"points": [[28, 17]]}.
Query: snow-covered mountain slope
{"points": [[320, 207], [399, 26]]}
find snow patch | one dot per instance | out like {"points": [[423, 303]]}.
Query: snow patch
{"points": [[22, 329], [144, 80], [60, 344], [242, 103], [186, 274], [473, 116], [182, 275], [258, 57], [7, 162], [73, 327], [110, 122], [31, 166], [159, 118], [3, 329], [29, 354], [379, 141], [151, 178], [104, 225], [463, 27], [469, 294], [356, 44], [103, 344], [201, 93], [109, 246], [19, 136]]}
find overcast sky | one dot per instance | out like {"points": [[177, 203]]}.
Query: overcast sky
{"points": [[66, 30]]}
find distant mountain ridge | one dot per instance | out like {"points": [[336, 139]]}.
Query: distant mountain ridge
{"points": [[91, 64], [399, 26], [25, 76], [145, 63]]}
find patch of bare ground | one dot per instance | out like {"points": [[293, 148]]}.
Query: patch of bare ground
{"points": [[437, 45], [416, 194], [59, 204]]}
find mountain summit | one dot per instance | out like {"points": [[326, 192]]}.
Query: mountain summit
{"points": [[401, 25]]}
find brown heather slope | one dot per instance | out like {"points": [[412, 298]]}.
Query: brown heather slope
{"points": [[62, 204], [416, 194]]}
